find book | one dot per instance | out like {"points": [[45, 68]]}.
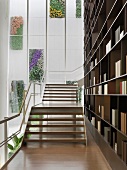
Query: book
{"points": [[123, 122], [115, 147], [115, 117], [120, 87], [117, 34], [94, 90], [124, 151], [121, 34], [102, 112], [114, 139], [108, 47], [93, 80], [123, 87], [118, 68], [93, 121], [126, 64], [99, 109], [107, 134], [95, 61], [106, 89], [90, 83], [99, 126], [100, 90], [104, 77]]}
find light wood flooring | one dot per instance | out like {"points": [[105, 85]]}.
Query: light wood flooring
{"points": [[60, 157]]}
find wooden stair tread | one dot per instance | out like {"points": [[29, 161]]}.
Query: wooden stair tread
{"points": [[56, 125], [56, 140], [56, 119], [59, 113], [58, 107], [59, 96], [55, 132], [54, 100], [61, 84], [61, 87], [66, 90]]}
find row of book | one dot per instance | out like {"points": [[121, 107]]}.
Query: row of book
{"points": [[118, 36], [114, 119], [107, 133], [123, 121]]}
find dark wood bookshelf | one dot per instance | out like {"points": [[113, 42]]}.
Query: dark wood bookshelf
{"points": [[105, 77]]}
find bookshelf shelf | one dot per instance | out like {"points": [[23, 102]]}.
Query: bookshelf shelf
{"points": [[105, 76]]}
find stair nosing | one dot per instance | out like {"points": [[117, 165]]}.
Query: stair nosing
{"points": [[56, 119]]}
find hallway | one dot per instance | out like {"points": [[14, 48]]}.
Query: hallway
{"points": [[60, 157]]}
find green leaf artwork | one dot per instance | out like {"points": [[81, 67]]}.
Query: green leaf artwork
{"points": [[78, 8], [16, 42], [36, 64], [16, 38], [57, 8], [16, 95]]}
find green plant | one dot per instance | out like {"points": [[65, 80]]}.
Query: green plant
{"points": [[16, 145], [78, 8], [71, 82], [80, 94]]}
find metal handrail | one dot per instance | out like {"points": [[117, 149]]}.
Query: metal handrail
{"points": [[12, 117], [20, 111]]}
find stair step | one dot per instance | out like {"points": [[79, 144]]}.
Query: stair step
{"points": [[59, 113], [61, 85], [56, 140], [59, 96], [55, 100], [55, 133], [66, 90], [55, 126], [56, 119]]}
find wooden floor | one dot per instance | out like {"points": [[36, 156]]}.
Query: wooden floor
{"points": [[60, 157]]}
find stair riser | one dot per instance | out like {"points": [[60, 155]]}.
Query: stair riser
{"points": [[67, 141], [55, 126], [60, 100], [59, 97], [54, 133], [58, 110], [55, 120], [67, 114]]}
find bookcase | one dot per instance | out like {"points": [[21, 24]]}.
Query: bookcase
{"points": [[105, 77]]}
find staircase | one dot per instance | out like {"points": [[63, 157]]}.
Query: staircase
{"points": [[57, 123], [60, 93]]}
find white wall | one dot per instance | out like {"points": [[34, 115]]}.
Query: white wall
{"points": [[37, 25], [62, 61], [18, 59], [56, 48], [3, 69], [74, 43]]}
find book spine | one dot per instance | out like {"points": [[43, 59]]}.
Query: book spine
{"points": [[99, 126], [113, 117]]}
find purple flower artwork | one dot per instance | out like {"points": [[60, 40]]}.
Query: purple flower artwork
{"points": [[36, 58]]}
